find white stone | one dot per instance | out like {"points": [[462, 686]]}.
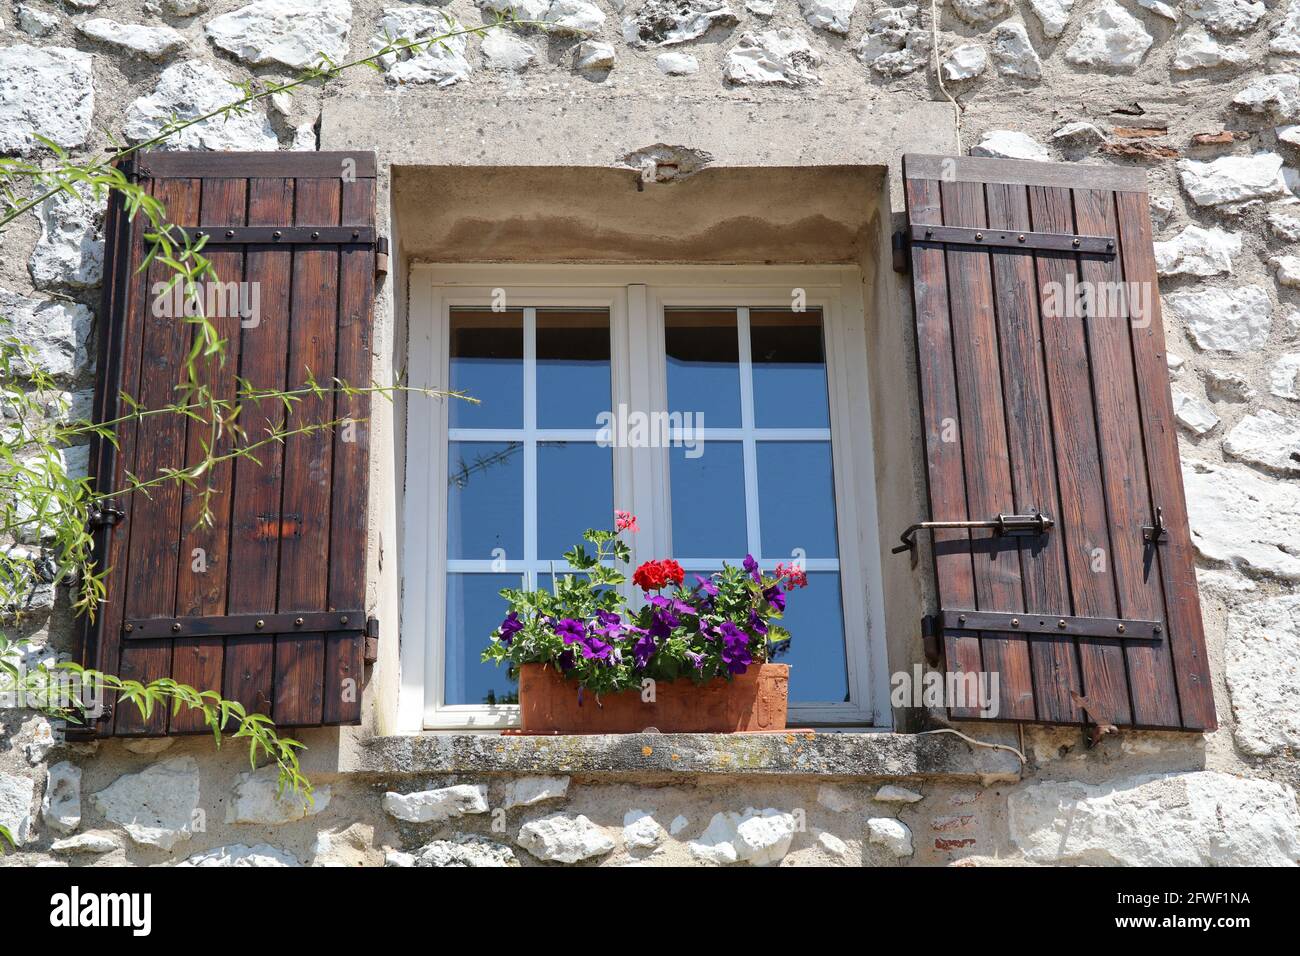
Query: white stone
{"points": [[443, 63], [1010, 144], [674, 63], [835, 799], [594, 56], [781, 56], [1053, 15], [1226, 581], [526, 791], [1192, 413], [665, 22], [1262, 663], [833, 845], [1079, 135], [980, 11], [44, 91], [155, 806], [1204, 818], [352, 846], [16, 795], [1287, 270], [466, 850], [1197, 252], [752, 836], [1110, 37], [61, 805], [892, 834], [1162, 207], [965, 62], [1159, 9], [256, 798], [238, 854], [292, 32], [641, 831], [1244, 520], [152, 43], [190, 89], [70, 251], [1223, 320], [36, 22], [58, 332], [1292, 323], [890, 793], [830, 15], [762, 8], [502, 50], [1266, 440], [93, 842], [184, 8], [679, 824], [894, 43], [83, 4], [304, 138], [1286, 38], [564, 838], [1225, 16], [1197, 50], [399, 859], [435, 806], [574, 17], [1284, 377], [1014, 54], [1225, 386], [534, 10], [1274, 94]]}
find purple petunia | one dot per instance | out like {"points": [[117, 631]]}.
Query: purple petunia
{"points": [[572, 630], [644, 649], [756, 623], [775, 597], [735, 648], [707, 586], [510, 627], [751, 566]]}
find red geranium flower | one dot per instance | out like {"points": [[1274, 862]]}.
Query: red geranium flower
{"points": [[673, 571], [650, 576]]}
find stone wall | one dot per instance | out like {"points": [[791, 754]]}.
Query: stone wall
{"points": [[1204, 94]]}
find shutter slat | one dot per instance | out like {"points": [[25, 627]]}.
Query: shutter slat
{"points": [[1029, 432], [155, 544], [1063, 405], [289, 531], [255, 521], [983, 434], [201, 582], [944, 470]]}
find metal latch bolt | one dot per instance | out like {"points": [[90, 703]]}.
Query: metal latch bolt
{"points": [[1033, 523]]}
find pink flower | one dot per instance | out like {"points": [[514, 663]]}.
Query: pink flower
{"points": [[795, 576], [625, 521]]}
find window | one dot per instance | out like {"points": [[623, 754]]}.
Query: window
{"points": [[728, 421]]}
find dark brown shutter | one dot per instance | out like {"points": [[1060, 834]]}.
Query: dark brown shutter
{"points": [[1033, 409], [277, 620]]}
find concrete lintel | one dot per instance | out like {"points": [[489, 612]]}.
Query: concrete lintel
{"points": [[424, 128], [861, 755]]}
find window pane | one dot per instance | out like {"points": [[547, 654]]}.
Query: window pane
{"points": [[789, 369], [703, 365], [474, 609], [485, 500], [815, 653], [708, 501], [575, 491], [572, 368], [487, 363], [796, 495]]}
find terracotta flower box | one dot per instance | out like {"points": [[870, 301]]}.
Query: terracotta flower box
{"points": [[754, 701]]}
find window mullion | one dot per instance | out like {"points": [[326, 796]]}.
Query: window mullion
{"points": [[752, 530], [530, 443]]}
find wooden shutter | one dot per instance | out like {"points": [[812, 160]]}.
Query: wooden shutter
{"points": [[277, 618], [1033, 408]]}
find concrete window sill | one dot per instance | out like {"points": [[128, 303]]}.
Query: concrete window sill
{"points": [[877, 755]]}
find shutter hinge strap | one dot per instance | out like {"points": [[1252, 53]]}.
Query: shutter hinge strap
{"points": [[1050, 625], [1013, 239], [234, 625]]}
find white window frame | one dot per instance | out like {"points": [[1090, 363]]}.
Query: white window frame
{"points": [[635, 298]]}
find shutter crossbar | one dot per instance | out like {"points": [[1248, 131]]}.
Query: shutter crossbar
{"points": [[287, 622], [1032, 625], [1049, 241], [278, 235]]}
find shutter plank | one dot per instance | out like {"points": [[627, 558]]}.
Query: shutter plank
{"points": [[256, 524], [944, 468], [155, 542], [1123, 457], [984, 445], [199, 661], [1082, 529], [1177, 567], [344, 652], [1033, 465], [308, 459]]}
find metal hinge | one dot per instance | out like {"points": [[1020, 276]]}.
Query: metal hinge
{"points": [[1047, 625], [105, 517], [279, 235], [381, 256], [1033, 523], [901, 263], [1014, 239], [372, 640]]}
